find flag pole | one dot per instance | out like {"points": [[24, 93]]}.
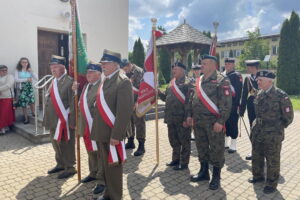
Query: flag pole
{"points": [[154, 20], [74, 49]]}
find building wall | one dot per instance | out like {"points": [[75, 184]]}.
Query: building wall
{"points": [[105, 24], [237, 45]]}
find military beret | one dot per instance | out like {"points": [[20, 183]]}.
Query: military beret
{"points": [[179, 64], [3, 67], [124, 62], [209, 57], [110, 56], [196, 67], [254, 63], [266, 74], [57, 60], [229, 60], [94, 67]]}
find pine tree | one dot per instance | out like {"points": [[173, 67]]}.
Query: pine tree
{"points": [[288, 71], [138, 54], [164, 64]]}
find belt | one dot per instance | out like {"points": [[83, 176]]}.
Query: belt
{"points": [[262, 121]]}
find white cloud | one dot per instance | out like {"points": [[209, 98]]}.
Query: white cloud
{"points": [[168, 15], [276, 27], [170, 25], [134, 24]]}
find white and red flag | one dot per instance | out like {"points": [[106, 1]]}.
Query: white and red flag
{"points": [[146, 94], [213, 46]]}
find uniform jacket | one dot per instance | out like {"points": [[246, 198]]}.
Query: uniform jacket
{"points": [[175, 111], [119, 98], [250, 89], [66, 94], [91, 98], [217, 88], [236, 81]]}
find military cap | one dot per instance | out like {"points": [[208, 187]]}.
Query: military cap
{"points": [[124, 62], [254, 63], [205, 56], [229, 60], [57, 60], [110, 56], [3, 67], [179, 64], [92, 66], [196, 67], [266, 74]]}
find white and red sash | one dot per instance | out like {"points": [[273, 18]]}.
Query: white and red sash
{"points": [[117, 153], [135, 90], [207, 102], [232, 90], [62, 127], [84, 108], [177, 92]]}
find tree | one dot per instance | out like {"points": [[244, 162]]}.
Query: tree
{"points": [[289, 56], [254, 48], [164, 62], [231, 53], [130, 54], [138, 54]]}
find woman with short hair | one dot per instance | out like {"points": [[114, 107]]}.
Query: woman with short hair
{"points": [[7, 113], [25, 94]]}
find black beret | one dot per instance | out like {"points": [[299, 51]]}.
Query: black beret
{"points": [[266, 74], [209, 57], [179, 64]]}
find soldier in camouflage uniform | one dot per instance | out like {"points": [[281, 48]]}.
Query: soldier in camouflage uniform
{"points": [[211, 106], [176, 112], [274, 112], [138, 124]]}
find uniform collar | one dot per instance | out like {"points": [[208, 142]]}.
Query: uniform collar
{"points": [[231, 72], [111, 75], [213, 76]]}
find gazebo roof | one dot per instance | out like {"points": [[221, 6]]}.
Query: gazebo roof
{"points": [[183, 33]]}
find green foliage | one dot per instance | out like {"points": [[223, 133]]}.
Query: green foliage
{"points": [[190, 61], [208, 34], [161, 79], [296, 102], [164, 64], [288, 73], [138, 54], [254, 48], [130, 57]]}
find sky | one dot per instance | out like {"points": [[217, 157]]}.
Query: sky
{"points": [[235, 17]]}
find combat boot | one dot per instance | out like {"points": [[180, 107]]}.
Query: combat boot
{"points": [[203, 174], [130, 143], [141, 149], [215, 181]]}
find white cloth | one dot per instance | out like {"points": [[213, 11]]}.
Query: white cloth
{"points": [[6, 86]]}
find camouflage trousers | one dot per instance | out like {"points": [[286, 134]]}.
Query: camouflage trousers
{"points": [[180, 141], [210, 145], [95, 167], [137, 127], [266, 145]]}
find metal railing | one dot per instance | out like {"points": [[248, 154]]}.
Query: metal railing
{"points": [[41, 84]]}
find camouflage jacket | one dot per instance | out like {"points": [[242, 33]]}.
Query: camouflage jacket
{"points": [[274, 110], [136, 77], [175, 111], [217, 88]]}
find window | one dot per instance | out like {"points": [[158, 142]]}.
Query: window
{"points": [[274, 50], [229, 44], [274, 38], [234, 53], [238, 53], [226, 54], [241, 43]]}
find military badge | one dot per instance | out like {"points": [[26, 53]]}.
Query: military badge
{"points": [[287, 109]]}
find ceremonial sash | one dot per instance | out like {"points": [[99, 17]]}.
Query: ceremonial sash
{"points": [[177, 92], [117, 153], [135, 90], [207, 102], [62, 127], [84, 108], [232, 90]]}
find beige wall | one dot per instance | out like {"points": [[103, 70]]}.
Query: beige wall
{"points": [[237, 46], [105, 24]]}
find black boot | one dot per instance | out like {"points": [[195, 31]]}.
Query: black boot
{"points": [[141, 149], [203, 174], [130, 143], [215, 181]]}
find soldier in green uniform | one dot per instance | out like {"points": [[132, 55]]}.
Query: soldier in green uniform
{"points": [[86, 106], [63, 145], [211, 106], [176, 113], [274, 112], [111, 118], [135, 74]]}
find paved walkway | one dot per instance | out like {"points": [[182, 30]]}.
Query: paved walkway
{"points": [[23, 172]]}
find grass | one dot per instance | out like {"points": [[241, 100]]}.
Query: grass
{"points": [[296, 102]]}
